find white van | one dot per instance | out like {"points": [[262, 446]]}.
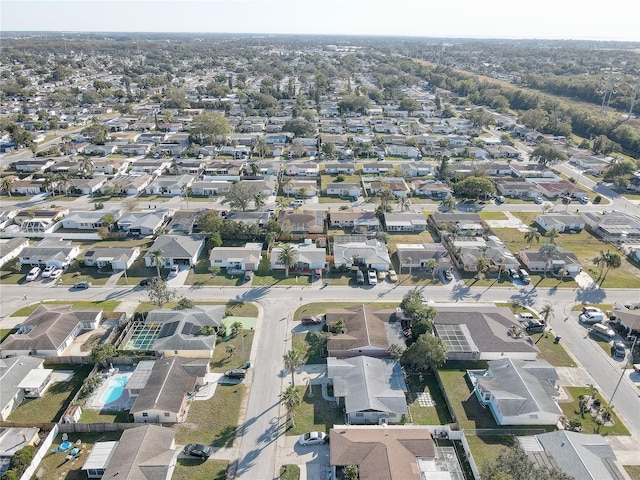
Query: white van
{"points": [[590, 318], [603, 331]]}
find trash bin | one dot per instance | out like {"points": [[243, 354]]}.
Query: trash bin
{"points": [[248, 364], [557, 340]]}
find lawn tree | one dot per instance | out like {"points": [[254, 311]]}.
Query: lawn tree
{"points": [[426, 353], [413, 306], [601, 261], [552, 234], [293, 359], [404, 203], [532, 234], [351, 472], [103, 352], [236, 328], [157, 259], [241, 194], [546, 312], [6, 184], [395, 351], [288, 256], [614, 261], [545, 154], [449, 203], [208, 128], [549, 251], [514, 464], [475, 187], [292, 399], [184, 303], [207, 330], [230, 349], [159, 293], [433, 266], [214, 270]]}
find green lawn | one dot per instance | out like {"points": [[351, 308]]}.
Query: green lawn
{"points": [[8, 277], [237, 309], [315, 414], [97, 416], [633, 471], [106, 305], [552, 352], [54, 465], [314, 351], [4, 332], [221, 361], [437, 415], [318, 308], [197, 469], [56, 399], [289, 472], [79, 273], [492, 215], [265, 276], [516, 309], [214, 421], [571, 409], [200, 276]]}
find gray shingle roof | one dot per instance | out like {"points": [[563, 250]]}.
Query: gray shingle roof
{"points": [[176, 246], [184, 339]]}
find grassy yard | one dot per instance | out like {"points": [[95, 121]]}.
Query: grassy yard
{"points": [[492, 216], [197, 469], [437, 415], [314, 350], [214, 421], [571, 409], [516, 309], [56, 399], [201, 276], [552, 352], [633, 471], [316, 414], [54, 465], [106, 305], [264, 276], [79, 273], [4, 332], [221, 361], [289, 472], [585, 246], [318, 308], [602, 306], [428, 236], [9, 277], [97, 416], [237, 309]]}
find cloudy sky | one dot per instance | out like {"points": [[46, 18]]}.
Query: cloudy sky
{"points": [[553, 19]]}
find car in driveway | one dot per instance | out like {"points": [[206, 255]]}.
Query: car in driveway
{"points": [[448, 276], [175, 269], [312, 438], [46, 273], [513, 273], [359, 277], [57, 273], [235, 373], [393, 276], [82, 285], [373, 278], [311, 320], [33, 274], [198, 450], [619, 350], [534, 326]]}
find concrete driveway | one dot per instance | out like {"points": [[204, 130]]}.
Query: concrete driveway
{"points": [[180, 278], [313, 460]]}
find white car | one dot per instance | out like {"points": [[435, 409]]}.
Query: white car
{"points": [[175, 269], [312, 438], [373, 279], [33, 274], [57, 273], [46, 273]]}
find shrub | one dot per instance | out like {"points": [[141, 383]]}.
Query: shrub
{"points": [[22, 459], [598, 199], [99, 206], [185, 303]]}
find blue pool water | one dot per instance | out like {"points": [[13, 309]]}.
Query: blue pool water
{"points": [[114, 390]]}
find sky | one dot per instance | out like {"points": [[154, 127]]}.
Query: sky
{"points": [[539, 19]]}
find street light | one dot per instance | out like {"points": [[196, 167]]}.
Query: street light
{"points": [[624, 368]]}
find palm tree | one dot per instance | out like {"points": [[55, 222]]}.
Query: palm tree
{"points": [[157, 259], [270, 238], [481, 265], [260, 147], [552, 234], [285, 181], [255, 169], [6, 184], [601, 261], [531, 235], [292, 360], [63, 183], [432, 266], [288, 256], [449, 202], [549, 251], [547, 311], [404, 203], [614, 261], [385, 195], [292, 398], [86, 165], [562, 272]]}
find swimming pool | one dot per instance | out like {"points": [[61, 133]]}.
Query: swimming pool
{"points": [[114, 389]]}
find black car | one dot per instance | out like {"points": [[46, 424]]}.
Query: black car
{"points": [[534, 326], [145, 282], [198, 450], [235, 373]]}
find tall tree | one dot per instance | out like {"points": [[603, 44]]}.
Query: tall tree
{"points": [[6, 184], [426, 353], [552, 234], [288, 256], [241, 194], [614, 261], [433, 266], [159, 293], [293, 359], [449, 203], [292, 399], [208, 128], [532, 234], [601, 261], [546, 311], [157, 259]]}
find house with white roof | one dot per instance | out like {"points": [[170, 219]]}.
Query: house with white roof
{"points": [[89, 219], [237, 259], [308, 255], [49, 252], [21, 376], [350, 250], [146, 222]]}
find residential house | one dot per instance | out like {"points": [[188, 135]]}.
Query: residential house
{"points": [[135, 149], [377, 168], [372, 390], [344, 189], [210, 188], [391, 452], [32, 165], [416, 169], [267, 186], [559, 188], [146, 452], [145, 223], [537, 261], [339, 168], [368, 331], [237, 259], [309, 258], [397, 185], [357, 250], [405, 222], [15, 373], [165, 395], [49, 252], [27, 187], [516, 188], [628, 318], [430, 188], [65, 166], [404, 151], [301, 188], [177, 332], [111, 258], [10, 248], [564, 222], [86, 186], [127, 184], [151, 166], [226, 170], [579, 455], [176, 250], [502, 151], [356, 220], [111, 166], [259, 219], [482, 333], [89, 219], [302, 222], [169, 185], [531, 170], [38, 220], [100, 150], [613, 226], [49, 330], [520, 392], [595, 165], [465, 252], [464, 223], [305, 169], [184, 222], [190, 167], [418, 255]]}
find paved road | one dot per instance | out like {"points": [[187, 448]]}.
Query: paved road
{"points": [[261, 432]]}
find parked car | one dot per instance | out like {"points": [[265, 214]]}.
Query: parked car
{"points": [[235, 373], [538, 200], [359, 277], [145, 282], [381, 275], [33, 274], [311, 320], [393, 276], [175, 269], [46, 273], [534, 326], [590, 318], [57, 273], [583, 200], [619, 350], [198, 450], [312, 438], [514, 274], [82, 285], [448, 276], [373, 279]]}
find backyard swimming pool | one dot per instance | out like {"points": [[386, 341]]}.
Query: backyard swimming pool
{"points": [[114, 389]]}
